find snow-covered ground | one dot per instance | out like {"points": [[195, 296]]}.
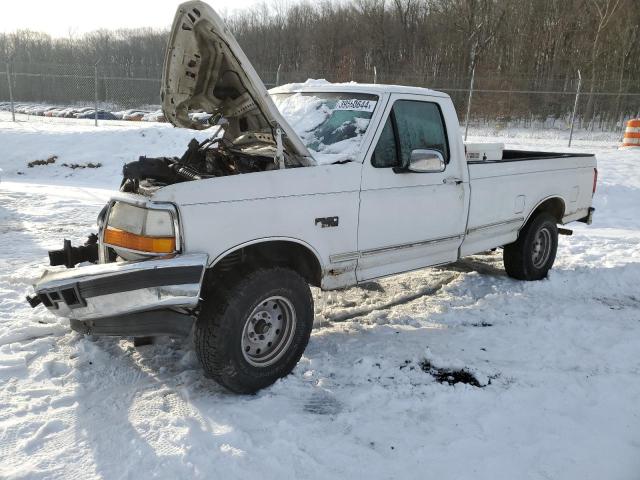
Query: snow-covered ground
{"points": [[557, 362]]}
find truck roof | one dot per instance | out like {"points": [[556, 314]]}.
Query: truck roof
{"points": [[372, 88]]}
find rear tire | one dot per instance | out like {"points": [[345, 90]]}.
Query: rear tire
{"points": [[253, 332], [532, 255]]}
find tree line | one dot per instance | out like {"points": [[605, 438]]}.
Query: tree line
{"points": [[513, 45]]}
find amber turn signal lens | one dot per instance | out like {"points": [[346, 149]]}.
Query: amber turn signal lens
{"points": [[120, 238]]}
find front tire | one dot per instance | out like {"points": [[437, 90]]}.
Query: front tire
{"points": [[253, 332], [532, 255]]}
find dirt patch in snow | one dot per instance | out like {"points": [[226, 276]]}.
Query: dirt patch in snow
{"points": [[73, 166], [48, 161], [450, 376], [52, 159]]}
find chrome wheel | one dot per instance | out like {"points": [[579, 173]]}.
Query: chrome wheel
{"points": [[541, 247], [268, 331]]}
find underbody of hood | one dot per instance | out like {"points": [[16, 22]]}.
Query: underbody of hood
{"points": [[205, 70]]}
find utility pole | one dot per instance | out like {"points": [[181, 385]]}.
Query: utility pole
{"points": [[466, 127], [278, 74], [13, 112], [575, 107], [95, 98]]}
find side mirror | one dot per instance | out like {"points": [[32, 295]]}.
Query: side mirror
{"points": [[426, 161]]}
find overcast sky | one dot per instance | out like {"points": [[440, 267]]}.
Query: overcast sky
{"points": [[62, 17]]}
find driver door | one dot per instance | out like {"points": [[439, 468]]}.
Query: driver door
{"points": [[410, 220]]}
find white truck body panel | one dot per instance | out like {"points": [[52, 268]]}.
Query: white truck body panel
{"points": [[504, 194], [220, 215], [388, 222], [399, 226]]}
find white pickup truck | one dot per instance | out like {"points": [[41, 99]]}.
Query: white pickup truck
{"points": [[311, 184]]}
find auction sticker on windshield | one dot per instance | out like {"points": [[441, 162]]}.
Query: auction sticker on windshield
{"points": [[356, 105]]}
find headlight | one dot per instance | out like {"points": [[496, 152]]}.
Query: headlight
{"points": [[140, 229]]}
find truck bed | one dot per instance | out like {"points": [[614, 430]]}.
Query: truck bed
{"points": [[503, 192], [521, 155]]}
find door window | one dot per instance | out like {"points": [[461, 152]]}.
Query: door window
{"points": [[412, 125], [385, 154]]}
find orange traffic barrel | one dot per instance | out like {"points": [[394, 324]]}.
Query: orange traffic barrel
{"points": [[632, 134]]}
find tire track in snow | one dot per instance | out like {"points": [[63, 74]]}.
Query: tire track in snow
{"points": [[401, 300], [410, 285]]}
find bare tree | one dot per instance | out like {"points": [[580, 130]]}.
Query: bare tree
{"points": [[603, 11], [512, 44]]}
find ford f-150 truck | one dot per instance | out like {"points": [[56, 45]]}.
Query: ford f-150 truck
{"points": [[307, 184]]}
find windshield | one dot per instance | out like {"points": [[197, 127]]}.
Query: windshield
{"points": [[331, 125]]}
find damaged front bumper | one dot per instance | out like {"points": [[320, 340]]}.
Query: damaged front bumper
{"points": [[148, 297]]}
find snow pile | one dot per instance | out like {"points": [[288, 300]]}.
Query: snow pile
{"points": [[79, 145], [453, 372], [310, 82]]}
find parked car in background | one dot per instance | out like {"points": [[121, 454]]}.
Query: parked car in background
{"points": [[156, 116], [133, 115], [87, 112], [82, 110], [102, 115]]}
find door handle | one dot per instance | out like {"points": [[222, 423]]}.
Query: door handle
{"points": [[452, 181]]}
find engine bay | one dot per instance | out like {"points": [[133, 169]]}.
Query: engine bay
{"points": [[216, 156]]}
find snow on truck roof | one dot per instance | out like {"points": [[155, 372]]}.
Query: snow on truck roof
{"points": [[372, 88]]}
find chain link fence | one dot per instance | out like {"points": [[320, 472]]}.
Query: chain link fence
{"points": [[106, 91], [500, 104], [77, 91]]}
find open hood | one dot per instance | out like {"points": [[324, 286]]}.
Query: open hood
{"points": [[205, 70]]}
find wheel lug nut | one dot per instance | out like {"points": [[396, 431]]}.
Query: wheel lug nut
{"points": [[261, 337]]}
